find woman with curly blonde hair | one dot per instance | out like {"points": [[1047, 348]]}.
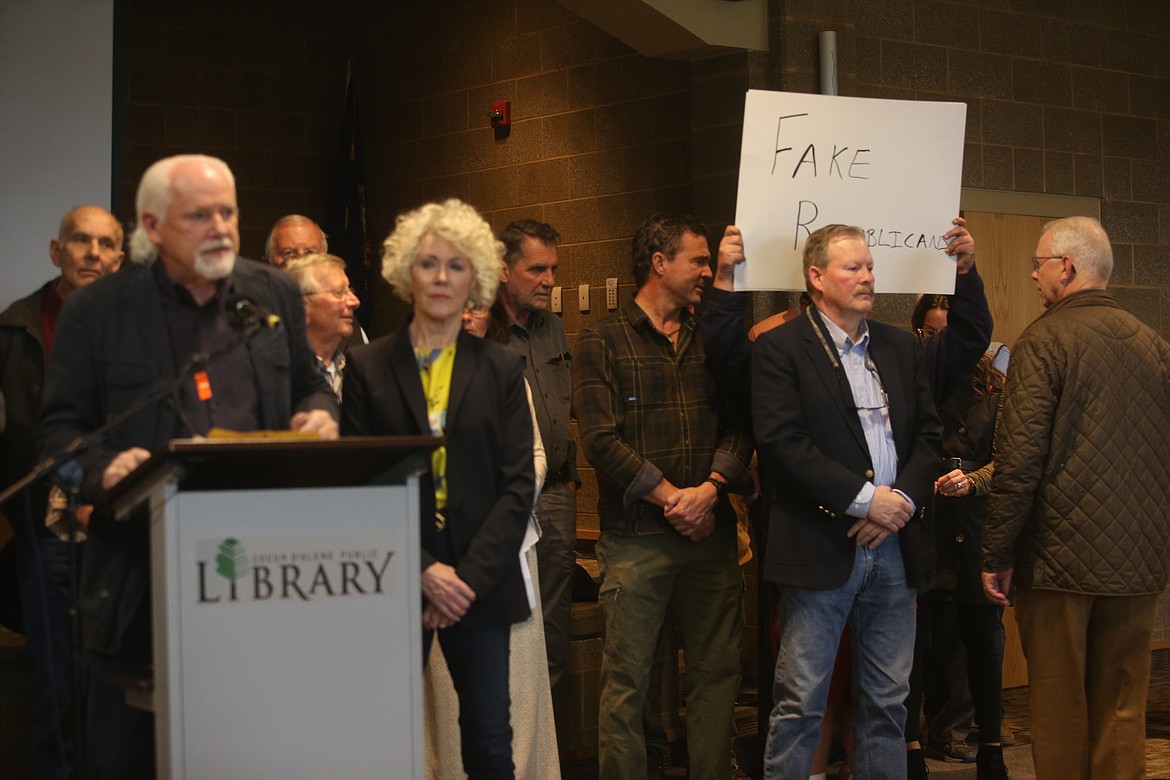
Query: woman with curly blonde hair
{"points": [[431, 377], [457, 223]]}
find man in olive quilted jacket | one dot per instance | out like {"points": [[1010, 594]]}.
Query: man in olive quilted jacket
{"points": [[1079, 521]]}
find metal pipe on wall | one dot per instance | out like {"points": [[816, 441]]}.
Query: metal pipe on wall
{"points": [[828, 41]]}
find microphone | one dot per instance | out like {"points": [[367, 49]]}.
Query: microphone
{"points": [[245, 314]]}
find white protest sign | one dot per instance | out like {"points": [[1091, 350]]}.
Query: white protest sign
{"points": [[891, 167]]}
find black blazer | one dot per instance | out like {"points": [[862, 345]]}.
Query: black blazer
{"points": [[112, 345], [490, 477], [814, 458]]}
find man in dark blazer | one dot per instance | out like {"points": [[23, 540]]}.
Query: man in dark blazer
{"points": [[849, 443], [118, 339]]}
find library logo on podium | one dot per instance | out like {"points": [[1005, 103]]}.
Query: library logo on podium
{"points": [[231, 562], [290, 568]]}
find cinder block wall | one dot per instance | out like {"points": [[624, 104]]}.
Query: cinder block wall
{"points": [[259, 84], [1067, 98], [1063, 97], [600, 136]]}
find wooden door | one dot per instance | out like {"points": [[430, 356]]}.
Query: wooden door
{"points": [[1003, 245]]}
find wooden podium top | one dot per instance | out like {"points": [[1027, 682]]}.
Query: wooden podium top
{"points": [[251, 464]]}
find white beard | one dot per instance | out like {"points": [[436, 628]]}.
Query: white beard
{"points": [[211, 263]]}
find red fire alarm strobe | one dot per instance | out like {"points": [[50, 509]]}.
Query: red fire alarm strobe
{"points": [[501, 114]]}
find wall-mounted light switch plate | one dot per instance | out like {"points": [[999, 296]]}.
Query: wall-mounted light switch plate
{"points": [[583, 297], [554, 301]]}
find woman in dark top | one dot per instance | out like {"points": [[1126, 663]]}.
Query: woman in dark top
{"points": [[431, 377], [969, 418]]}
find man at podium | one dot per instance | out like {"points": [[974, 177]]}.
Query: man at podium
{"points": [[120, 339]]}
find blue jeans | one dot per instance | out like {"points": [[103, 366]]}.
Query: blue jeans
{"points": [[878, 607], [478, 661]]}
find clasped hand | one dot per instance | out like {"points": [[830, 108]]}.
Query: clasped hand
{"points": [[448, 597], [689, 511], [889, 511]]}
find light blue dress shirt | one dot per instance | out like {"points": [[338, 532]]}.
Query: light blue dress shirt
{"points": [[873, 411]]}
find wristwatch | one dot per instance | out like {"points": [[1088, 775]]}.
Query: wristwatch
{"points": [[720, 487]]}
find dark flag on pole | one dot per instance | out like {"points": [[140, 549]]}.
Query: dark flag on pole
{"points": [[347, 238]]}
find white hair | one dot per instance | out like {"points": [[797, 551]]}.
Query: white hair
{"points": [[155, 193], [1086, 242], [303, 269]]}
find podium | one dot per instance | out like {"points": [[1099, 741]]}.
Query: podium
{"points": [[285, 605]]}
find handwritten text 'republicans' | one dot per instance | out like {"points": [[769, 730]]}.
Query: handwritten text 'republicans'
{"points": [[892, 168]]}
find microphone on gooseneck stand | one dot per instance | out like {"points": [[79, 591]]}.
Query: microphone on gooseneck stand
{"points": [[247, 316]]}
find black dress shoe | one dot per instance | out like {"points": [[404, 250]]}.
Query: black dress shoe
{"points": [[916, 765], [989, 764]]}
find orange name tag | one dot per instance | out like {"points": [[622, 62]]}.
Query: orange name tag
{"points": [[202, 386]]}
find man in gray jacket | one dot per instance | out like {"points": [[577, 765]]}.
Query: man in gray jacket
{"points": [[530, 268], [1079, 522]]}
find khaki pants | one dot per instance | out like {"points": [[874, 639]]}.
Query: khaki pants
{"points": [[1088, 677]]}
